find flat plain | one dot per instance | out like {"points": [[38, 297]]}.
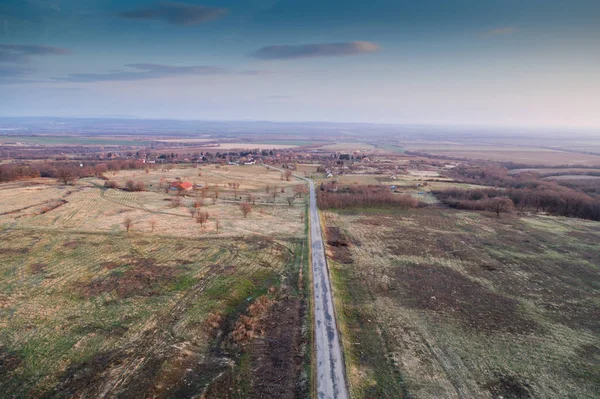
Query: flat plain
{"points": [[435, 303], [167, 309], [524, 155]]}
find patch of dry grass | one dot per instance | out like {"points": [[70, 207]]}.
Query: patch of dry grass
{"points": [[464, 304]]}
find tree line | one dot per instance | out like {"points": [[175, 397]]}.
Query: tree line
{"points": [[526, 192], [62, 170], [362, 196]]}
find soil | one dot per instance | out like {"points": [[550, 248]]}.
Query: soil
{"points": [[80, 380], [277, 358], [509, 387], [338, 245], [37, 268], [144, 278], [9, 361], [450, 293]]}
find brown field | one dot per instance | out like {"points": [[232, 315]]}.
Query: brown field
{"points": [[551, 171], [348, 146], [572, 177], [532, 156], [185, 140], [89, 310], [223, 147], [87, 206], [307, 168], [436, 303], [253, 178]]}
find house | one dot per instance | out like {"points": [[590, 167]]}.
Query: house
{"points": [[181, 186]]}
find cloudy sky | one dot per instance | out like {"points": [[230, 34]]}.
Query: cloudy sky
{"points": [[493, 62]]}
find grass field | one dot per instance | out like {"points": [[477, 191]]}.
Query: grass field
{"points": [[86, 207], [439, 303], [89, 310], [252, 178]]}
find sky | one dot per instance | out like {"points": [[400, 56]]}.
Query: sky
{"points": [[533, 63]]}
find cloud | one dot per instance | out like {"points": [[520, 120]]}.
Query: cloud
{"points": [[256, 72], [503, 31], [14, 74], [152, 71], [21, 53], [314, 50], [9, 71], [176, 13]]}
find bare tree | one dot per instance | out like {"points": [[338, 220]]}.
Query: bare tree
{"points": [[290, 200], [202, 218], [217, 225], [302, 217], [175, 202], [251, 198], [235, 186], [66, 175], [246, 208], [128, 223], [300, 189], [500, 205], [198, 204], [274, 195], [152, 223], [129, 185], [267, 188], [100, 169], [139, 186], [287, 174], [192, 210], [111, 184]]}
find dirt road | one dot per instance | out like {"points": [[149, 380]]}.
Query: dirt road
{"points": [[331, 381], [331, 378]]}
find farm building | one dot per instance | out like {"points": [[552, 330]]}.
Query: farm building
{"points": [[181, 185]]}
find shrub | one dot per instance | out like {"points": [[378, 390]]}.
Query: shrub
{"points": [[111, 184]]}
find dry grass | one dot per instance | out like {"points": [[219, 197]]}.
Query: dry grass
{"points": [[252, 178], [69, 298], [531, 156], [348, 146], [440, 303], [86, 308], [92, 208]]}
